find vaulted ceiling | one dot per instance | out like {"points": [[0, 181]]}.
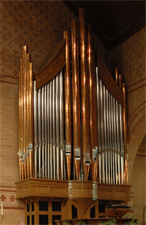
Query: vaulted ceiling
{"points": [[113, 21]]}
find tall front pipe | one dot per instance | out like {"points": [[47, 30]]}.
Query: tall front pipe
{"points": [[21, 116], [35, 128], [27, 113], [24, 111], [20, 127], [67, 105], [125, 134], [31, 116], [93, 107], [84, 94], [76, 97]]}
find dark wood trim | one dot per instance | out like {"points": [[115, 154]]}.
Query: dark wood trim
{"points": [[53, 64], [108, 80]]}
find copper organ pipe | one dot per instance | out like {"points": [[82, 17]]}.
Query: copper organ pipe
{"points": [[24, 110], [120, 81], [84, 94], [93, 107], [21, 116], [20, 129], [67, 104], [116, 75], [125, 135], [35, 130], [27, 113], [76, 97]]}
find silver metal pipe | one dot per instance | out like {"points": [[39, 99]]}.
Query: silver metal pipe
{"points": [[112, 141], [121, 144], [62, 163], [61, 110], [118, 148], [107, 128], [57, 128], [58, 162], [42, 104], [61, 125], [51, 125], [102, 131], [54, 139], [45, 128], [35, 129], [65, 172], [115, 141], [105, 131], [39, 129], [98, 122], [48, 127]]}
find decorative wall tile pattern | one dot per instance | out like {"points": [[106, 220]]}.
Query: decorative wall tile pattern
{"points": [[37, 24], [129, 57]]}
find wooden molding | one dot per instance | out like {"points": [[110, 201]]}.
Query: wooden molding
{"points": [[108, 80], [113, 192], [53, 64], [73, 189]]}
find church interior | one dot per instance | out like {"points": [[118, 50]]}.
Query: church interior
{"points": [[72, 104]]}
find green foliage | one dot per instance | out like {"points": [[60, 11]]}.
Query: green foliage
{"points": [[132, 222], [109, 222], [81, 222], [66, 223]]}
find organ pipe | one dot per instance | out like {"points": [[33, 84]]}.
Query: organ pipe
{"points": [[67, 104], [76, 124], [84, 94], [93, 107], [76, 97], [125, 135]]}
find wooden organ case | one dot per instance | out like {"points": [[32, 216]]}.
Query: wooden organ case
{"points": [[72, 133]]}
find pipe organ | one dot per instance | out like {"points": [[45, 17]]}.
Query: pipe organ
{"points": [[72, 116]]}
